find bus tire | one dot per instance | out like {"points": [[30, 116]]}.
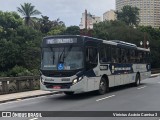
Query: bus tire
{"points": [[103, 86], [137, 80], [69, 93]]}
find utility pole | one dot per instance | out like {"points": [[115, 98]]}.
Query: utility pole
{"points": [[85, 19], [145, 40]]}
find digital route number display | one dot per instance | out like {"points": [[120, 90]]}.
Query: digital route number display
{"points": [[61, 40]]}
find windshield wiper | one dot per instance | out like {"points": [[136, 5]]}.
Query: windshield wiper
{"points": [[64, 54], [69, 50], [60, 56]]}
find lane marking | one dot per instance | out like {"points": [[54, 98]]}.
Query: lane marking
{"points": [[141, 87], [105, 98], [33, 119], [158, 82]]}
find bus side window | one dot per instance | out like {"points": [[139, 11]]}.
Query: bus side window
{"points": [[104, 53], [144, 57], [132, 56], [108, 53], [124, 58], [118, 55], [114, 54]]}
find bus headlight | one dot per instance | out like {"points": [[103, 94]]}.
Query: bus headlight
{"points": [[77, 80], [80, 78], [42, 80]]}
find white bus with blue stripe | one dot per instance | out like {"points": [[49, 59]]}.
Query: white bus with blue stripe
{"points": [[76, 64]]}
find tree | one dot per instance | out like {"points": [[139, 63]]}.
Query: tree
{"points": [[19, 44], [117, 30], [45, 24], [129, 15], [72, 30], [58, 28], [153, 36], [28, 11]]}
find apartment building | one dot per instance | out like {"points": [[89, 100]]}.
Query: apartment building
{"points": [[149, 10], [90, 20], [109, 15]]}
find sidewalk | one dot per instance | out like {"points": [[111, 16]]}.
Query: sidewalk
{"points": [[24, 95], [30, 94]]}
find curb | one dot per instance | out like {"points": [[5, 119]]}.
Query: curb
{"points": [[26, 97]]}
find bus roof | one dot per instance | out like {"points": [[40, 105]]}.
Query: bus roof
{"points": [[110, 42], [143, 49]]}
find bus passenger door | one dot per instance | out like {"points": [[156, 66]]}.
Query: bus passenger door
{"points": [[91, 65]]}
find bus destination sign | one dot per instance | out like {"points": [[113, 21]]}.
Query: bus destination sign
{"points": [[61, 40]]}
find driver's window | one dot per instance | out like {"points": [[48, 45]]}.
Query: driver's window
{"points": [[91, 57]]}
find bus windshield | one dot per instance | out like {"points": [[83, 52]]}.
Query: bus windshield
{"points": [[62, 58]]}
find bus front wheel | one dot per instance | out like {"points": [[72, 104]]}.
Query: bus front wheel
{"points": [[103, 86], [137, 80]]}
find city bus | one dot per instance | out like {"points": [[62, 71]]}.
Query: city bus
{"points": [[75, 64]]}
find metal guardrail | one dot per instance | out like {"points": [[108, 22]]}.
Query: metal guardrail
{"points": [[18, 84]]}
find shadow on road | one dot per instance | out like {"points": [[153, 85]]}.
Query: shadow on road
{"points": [[123, 87], [88, 95]]}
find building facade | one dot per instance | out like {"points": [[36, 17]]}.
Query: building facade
{"points": [[109, 15], [90, 20], [149, 10]]}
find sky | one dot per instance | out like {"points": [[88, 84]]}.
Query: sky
{"points": [[68, 11]]}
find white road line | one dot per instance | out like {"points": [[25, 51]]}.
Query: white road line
{"points": [[105, 98], [33, 119], [141, 87], [158, 82]]}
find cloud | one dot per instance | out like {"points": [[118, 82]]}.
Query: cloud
{"points": [[69, 11]]}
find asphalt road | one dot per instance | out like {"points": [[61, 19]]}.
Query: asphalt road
{"points": [[145, 97]]}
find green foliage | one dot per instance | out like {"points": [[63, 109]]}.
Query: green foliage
{"points": [[102, 29], [8, 54], [58, 28], [9, 20], [153, 36], [45, 24], [19, 71], [117, 30], [19, 46], [72, 30], [129, 15]]}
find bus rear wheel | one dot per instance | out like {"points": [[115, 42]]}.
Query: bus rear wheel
{"points": [[137, 80], [103, 86], [69, 93]]}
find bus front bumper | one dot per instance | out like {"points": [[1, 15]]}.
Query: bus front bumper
{"points": [[79, 87]]}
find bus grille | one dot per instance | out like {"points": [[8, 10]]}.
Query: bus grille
{"points": [[62, 85]]}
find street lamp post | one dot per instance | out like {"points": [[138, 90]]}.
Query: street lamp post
{"points": [[146, 44]]}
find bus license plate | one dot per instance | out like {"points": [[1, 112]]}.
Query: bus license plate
{"points": [[56, 87]]}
